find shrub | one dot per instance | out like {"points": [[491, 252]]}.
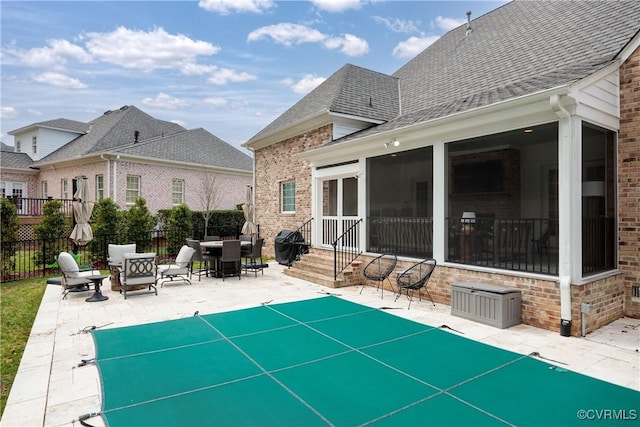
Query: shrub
{"points": [[9, 226], [53, 228], [108, 227], [139, 223], [179, 226]]}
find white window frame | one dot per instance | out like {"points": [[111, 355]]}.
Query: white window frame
{"points": [[17, 149], [99, 187], [177, 193], [64, 188], [45, 189], [286, 199], [132, 192], [34, 144]]}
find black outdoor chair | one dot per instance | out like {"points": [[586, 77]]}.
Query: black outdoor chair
{"points": [[253, 262], [379, 269], [230, 258], [416, 278], [205, 261]]}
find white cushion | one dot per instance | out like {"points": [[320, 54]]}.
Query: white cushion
{"points": [[68, 265], [116, 252], [184, 256]]}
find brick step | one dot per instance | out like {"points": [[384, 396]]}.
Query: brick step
{"points": [[314, 265], [313, 277]]}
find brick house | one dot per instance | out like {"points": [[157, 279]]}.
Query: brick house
{"points": [[125, 154], [508, 150]]}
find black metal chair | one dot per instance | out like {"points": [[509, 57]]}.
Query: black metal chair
{"points": [[379, 270], [416, 278], [230, 257], [245, 251], [254, 261], [205, 261]]}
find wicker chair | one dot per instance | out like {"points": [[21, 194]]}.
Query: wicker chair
{"points": [[416, 278], [379, 270]]}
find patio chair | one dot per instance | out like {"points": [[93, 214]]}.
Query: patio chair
{"points": [[379, 270], [139, 272], [416, 278], [180, 269], [115, 262], [230, 257], [245, 251], [254, 261], [205, 261], [73, 280]]}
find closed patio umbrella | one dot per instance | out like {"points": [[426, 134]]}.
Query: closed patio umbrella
{"points": [[82, 209], [249, 226]]}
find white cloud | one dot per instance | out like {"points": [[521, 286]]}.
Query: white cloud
{"points": [[221, 76], [448, 24], [336, 5], [307, 83], [33, 112], [398, 25], [147, 50], [59, 80], [55, 55], [224, 7], [289, 34], [8, 112], [216, 101], [413, 46], [197, 69], [162, 100]]}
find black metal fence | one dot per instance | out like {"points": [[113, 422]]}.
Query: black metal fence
{"points": [[23, 259]]}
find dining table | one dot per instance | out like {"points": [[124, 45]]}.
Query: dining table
{"points": [[214, 248]]}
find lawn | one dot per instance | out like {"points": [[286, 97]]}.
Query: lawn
{"points": [[19, 303]]}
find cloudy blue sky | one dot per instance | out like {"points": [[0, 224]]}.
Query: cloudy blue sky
{"points": [[229, 66]]}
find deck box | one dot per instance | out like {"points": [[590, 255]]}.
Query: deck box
{"points": [[489, 304]]}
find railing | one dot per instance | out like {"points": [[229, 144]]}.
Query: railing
{"points": [[510, 244], [598, 245], [300, 239], [23, 259], [28, 206], [346, 248], [407, 236]]}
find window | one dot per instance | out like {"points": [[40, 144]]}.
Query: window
{"points": [[64, 188], [177, 192], [288, 196], [45, 190], [99, 187], [34, 144], [133, 189], [17, 146]]}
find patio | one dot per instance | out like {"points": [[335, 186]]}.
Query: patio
{"points": [[51, 389]]}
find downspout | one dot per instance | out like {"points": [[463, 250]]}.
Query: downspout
{"points": [[565, 279]]}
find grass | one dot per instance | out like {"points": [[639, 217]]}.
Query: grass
{"points": [[19, 303]]}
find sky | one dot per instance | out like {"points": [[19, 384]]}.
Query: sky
{"points": [[228, 66]]}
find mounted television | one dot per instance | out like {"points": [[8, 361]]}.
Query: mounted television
{"points": [[480, 177]]}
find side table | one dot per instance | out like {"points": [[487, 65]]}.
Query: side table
{"points": [[97, 294]]}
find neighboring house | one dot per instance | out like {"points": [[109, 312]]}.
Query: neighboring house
{"points": [[508, 150], [126, 154]]}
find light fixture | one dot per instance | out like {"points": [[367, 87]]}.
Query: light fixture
{"points": [[593, 189], [468, 217], [528, 131], [394, 143]]}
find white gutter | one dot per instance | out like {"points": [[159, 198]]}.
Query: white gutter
{"points": [[108, 183]]}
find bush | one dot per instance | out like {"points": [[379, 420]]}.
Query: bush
{"points": [[9, 226], [108, 227], [53, 228], [139, 224], [179, 226]]}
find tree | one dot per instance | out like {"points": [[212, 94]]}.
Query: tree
{"points": [[179, 227], [139, 223], [53, 228], [208, 198], [108, 226], [9, 226]]}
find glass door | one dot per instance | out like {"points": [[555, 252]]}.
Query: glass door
{"points": [[339, 208]]}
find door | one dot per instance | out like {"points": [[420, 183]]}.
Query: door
{"points": [[339, 201]]}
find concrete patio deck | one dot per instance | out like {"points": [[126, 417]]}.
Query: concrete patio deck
{"points": [[50, 388]]}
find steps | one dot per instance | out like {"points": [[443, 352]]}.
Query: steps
{"points": [[317, 267]]}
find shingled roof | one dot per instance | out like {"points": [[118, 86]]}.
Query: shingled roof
{"points": [[352, 90], [13, 160], [519, 49], [59, 124]]}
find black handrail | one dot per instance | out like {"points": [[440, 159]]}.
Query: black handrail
{"points": [[352, 235], [301, 246]]}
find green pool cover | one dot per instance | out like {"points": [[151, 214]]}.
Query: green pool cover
{"points": [[327, 361]]}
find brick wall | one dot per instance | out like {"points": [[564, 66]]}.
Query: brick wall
{"points": [[629, 180], [275, 164]]}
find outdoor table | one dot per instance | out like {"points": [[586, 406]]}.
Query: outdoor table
{"points": [[214, 248], [97, 294]]}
